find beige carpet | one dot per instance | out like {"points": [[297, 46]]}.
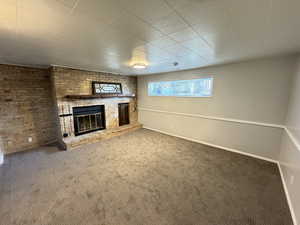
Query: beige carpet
{"points": [[139, 178]]}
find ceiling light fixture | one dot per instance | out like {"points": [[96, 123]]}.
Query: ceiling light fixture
{"points": [[139, 66]]}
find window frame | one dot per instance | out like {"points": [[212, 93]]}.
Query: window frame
{"points": [[184, 96], [108, 83]]}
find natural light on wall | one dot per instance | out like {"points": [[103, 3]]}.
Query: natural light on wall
{"points": [[182, 88]]}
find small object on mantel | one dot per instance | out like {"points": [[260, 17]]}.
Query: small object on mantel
{"points": [[99, 96]]}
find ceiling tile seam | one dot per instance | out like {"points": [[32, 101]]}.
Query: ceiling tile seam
{"points": [[188, 49], [173, 32], [200, 56], [182, 17], [155, 28], [190, 26], [158, 30], [164, 34], [145, 21], [171, 53], [179, 43]]}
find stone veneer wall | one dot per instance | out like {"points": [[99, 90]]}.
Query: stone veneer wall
{"points": [[26, 108], [68, 81]]}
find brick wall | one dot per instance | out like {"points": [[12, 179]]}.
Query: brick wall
{"points": [[26, 108], [79, 82]]}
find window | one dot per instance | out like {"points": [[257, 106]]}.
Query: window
{"points": [[182, 88], [106, 88]]}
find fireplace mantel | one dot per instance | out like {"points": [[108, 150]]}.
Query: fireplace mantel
{"points": [[98, 96]]}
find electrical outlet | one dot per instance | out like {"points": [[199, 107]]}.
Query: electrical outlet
{"points": [[292, 179], [29, 139]]}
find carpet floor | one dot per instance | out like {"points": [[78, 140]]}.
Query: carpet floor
{"points": [[142, 177]]}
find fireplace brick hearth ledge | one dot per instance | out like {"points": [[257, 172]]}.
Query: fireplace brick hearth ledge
{"points": [[72, 90], [74, 142]]}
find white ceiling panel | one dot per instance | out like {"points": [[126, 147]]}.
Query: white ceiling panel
{"points": [[179, 50], [69, 3], [199, 46], [154, 53], [150, 11], [178, 4], [170, 23], [103, 10], [138, 28], [162, 43], [41, 18], [184, 35], [112, 35], [8, 15], [210, 19], [8, 27]]}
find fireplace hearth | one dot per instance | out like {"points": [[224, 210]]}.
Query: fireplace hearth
{"points": [[88, 119]]}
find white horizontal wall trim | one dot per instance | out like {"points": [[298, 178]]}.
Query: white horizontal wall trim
{"points": [[292, 137], [246, 154], [215, 118], [287, 194], [289, 133], [213, 145]]}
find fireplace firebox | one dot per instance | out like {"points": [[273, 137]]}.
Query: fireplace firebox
{"points": [[88, 119]]}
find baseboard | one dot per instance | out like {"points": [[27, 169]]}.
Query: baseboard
{"points": [[287, 195], [215, 146], [242, 153]]}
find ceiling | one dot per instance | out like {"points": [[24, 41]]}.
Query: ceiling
{"points": [[112, 35]]}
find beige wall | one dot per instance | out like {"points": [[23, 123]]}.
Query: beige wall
{"points": [[26, 108], [290, 150], [253, 91]]}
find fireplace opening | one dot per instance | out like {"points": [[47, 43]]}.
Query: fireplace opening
{"points": [[88, 119]]}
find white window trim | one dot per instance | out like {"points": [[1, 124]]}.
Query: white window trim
{"points": [[186, 96]]}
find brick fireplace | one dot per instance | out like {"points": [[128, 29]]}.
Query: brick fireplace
{"points": [[85, 118]]}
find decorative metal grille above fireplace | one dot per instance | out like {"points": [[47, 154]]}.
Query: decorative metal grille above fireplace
{"points": [[88, 119]]}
